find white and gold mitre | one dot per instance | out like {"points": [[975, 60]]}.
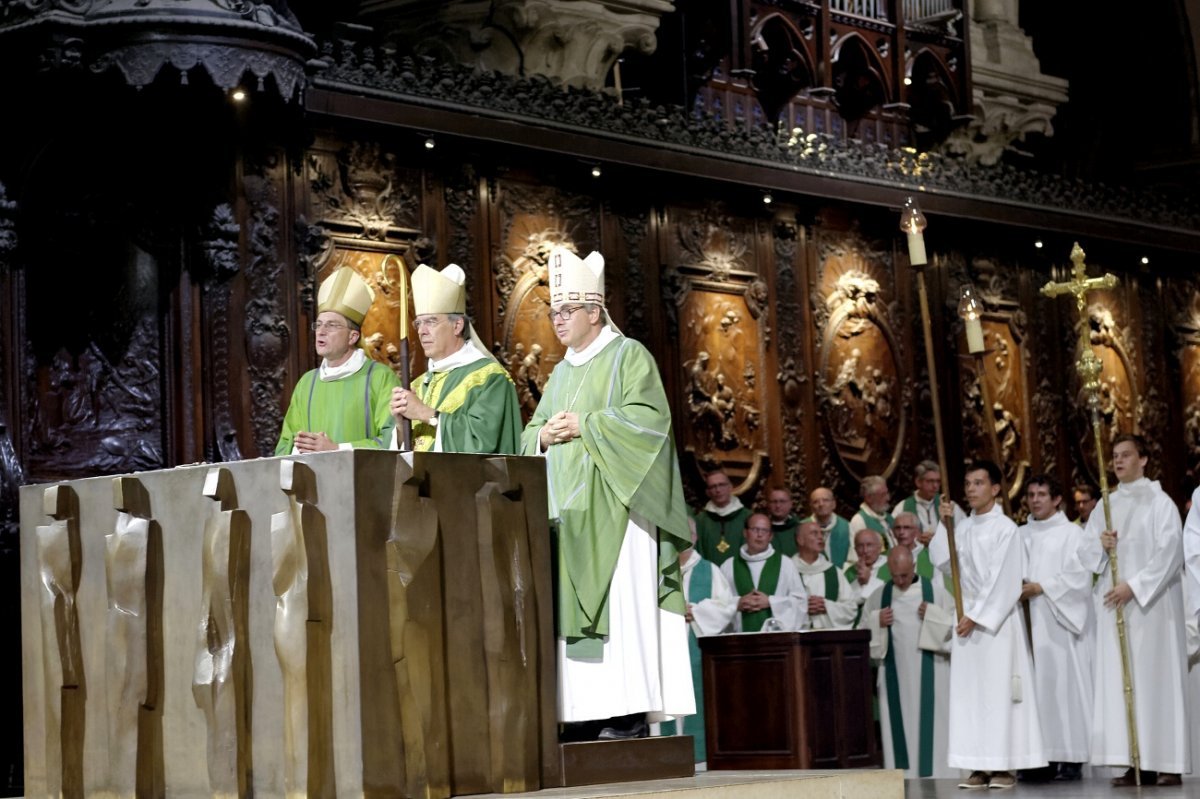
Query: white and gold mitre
{"points": [[439, 292], [575, 279], [347, 293]]}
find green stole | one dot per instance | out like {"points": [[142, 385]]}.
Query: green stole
{"points": [[831, 584], [910, 506], [874, 524], [753, 621], [783, 536], [852, 575], [699, 589], [892, 683], [838, 538]]}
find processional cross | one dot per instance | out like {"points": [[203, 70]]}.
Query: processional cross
{"points": [[1089, 366]]}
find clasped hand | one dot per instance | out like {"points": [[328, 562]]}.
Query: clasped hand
{"points": [[559, 429]]}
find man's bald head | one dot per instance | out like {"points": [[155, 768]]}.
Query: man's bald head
{"points": [[900, 564]]}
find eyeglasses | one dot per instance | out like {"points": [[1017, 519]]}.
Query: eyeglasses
{"points": [[759, 529], [429, 322], [564, 314], [319, 326]]}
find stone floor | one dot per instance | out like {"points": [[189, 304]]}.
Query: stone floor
{"points": [[1095, 787]]}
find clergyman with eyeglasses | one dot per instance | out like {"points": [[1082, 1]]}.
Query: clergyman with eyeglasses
{"points": [[343, 403], [465, 401], [604, 427]]}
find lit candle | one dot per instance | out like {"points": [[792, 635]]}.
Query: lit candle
{"points": [[912, 222], [970, 308]]}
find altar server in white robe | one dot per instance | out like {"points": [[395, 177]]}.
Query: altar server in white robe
{"points": [[1059, 590], [770, 594], [911, 619], [832, 602], [994, 727], [711, 605], [1191, 599], [1148, 536]]}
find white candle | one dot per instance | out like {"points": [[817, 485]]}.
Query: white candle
{"points": [[916, 249], [974, 334]]}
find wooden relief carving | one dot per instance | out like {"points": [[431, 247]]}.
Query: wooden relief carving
{"points": [[535, 220], [1187, 333], [220, 249], [1048, 399], [60, 564], [220, 666], [1119, 396], [91, 414], [415, 638], [303, 622], [793, 374], [1152, 411], [863, 403], [133, 574], [1005, 369], [719, 302], [265, 325], [508, 604]]}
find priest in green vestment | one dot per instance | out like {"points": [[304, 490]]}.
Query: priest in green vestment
{"points": [[719, 523], [343, 403], [874, 512], [839, 544], [783, 521], [911, 620], [925, 502], [771, 595], [465, 401], [616, 500]]}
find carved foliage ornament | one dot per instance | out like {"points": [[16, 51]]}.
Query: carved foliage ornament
{"points": [[140, 37]]}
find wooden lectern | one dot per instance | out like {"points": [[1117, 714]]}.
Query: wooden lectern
{"points": [[789, 700]]}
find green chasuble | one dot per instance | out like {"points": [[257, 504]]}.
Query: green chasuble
{"points": [[837, 539], [783, 535], [351, 410], [477, 409], [623, 461], [712, 529]]}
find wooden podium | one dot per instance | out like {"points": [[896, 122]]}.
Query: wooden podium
{"points": [[789, 700], [341, 623]]}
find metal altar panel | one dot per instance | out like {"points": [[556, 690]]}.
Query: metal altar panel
{"points": [[340, 623]]}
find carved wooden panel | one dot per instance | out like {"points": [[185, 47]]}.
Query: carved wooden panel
{"points": [[367, 211], [1113, 344], [1005, 363], [864, 405], [1186, 324], [533, 220], [716, 307]]}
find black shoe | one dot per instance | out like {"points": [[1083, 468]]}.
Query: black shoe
{"points": [[621, 728], [1069, 772], [576, 731], [1042, 774]]}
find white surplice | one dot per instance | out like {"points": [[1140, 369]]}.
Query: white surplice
{"points": [[993, 703], [789, 600], [1191, 556], [713, 615], [1150, 559], [1063, 628], [873, 584], [840, 610], [906, 633]]}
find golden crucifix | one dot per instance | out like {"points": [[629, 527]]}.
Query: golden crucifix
{"points": [[1089, 366]]}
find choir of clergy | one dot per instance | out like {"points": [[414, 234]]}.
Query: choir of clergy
{"points": [[874, 513], [839, 545], [770, 593]]}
